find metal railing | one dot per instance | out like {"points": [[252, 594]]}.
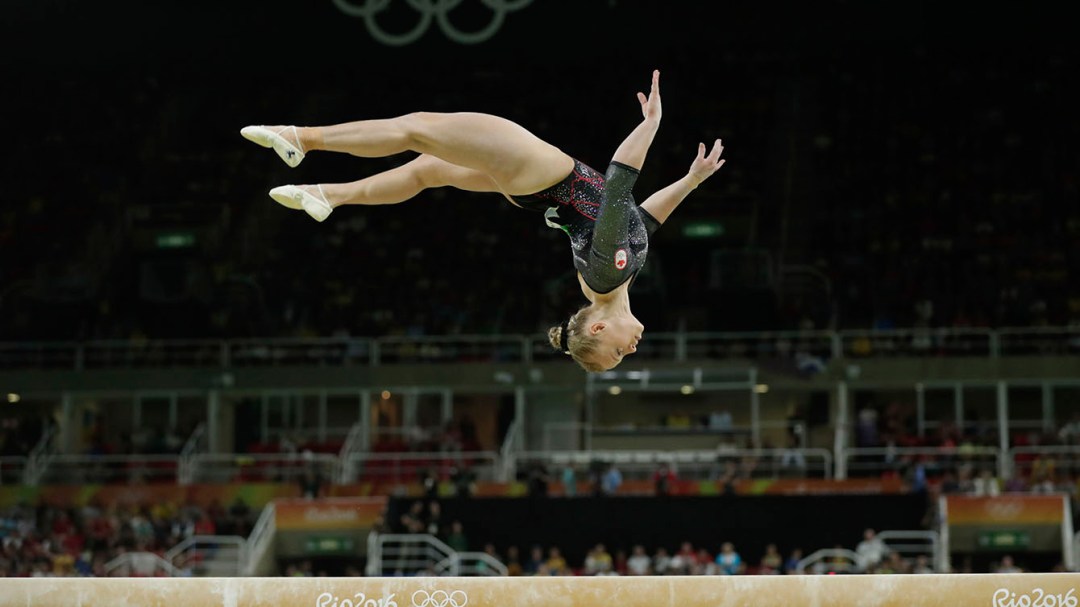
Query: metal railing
{"points": [[470, 563], [210, 555], [509, 449], [355, 442], [899, 460], [689, 464], [980, 342], [195, 445], [1076, 552], [261, 539], [105, 469], [142, 564], [916, 543], [405, 467], [839, 560], [39, 456], [261, 467], [422, 554], [1062, 459]]}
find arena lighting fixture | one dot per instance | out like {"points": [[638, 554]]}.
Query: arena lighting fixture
{"points": [[13, 398], [614, 390], [687, 389], [761, 388]]}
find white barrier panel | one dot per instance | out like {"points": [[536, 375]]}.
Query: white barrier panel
{"points": [[955, 590]]}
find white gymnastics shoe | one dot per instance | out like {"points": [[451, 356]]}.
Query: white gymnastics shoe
{"points": [[298, 197], [290, 152]]}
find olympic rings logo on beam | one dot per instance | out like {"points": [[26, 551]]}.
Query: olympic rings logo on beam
{"points": [[430, 10], [440, 598]]}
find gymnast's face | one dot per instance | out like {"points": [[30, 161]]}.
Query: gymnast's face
{"points": [[619, 337]]}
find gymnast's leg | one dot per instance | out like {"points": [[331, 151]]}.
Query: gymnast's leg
{"points": [[389, 187], [518, 161], [402, 183]]}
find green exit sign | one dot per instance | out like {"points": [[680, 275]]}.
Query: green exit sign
{"points": [[329, 545], [175, 240], [1004, 540], [703, 229]]}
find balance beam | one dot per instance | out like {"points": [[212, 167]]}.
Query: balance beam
{"points": [[957, 590]]}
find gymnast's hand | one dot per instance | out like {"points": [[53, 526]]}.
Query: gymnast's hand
{"points": [[704, 166], [650, 106]]}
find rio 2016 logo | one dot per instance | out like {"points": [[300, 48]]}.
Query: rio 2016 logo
{"points": [[429, 10], [1036, 598], [359, 599]]}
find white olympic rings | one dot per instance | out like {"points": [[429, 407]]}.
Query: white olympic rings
{"points": [[440, 598], [439, 10]]}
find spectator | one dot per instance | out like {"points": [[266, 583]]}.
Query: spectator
{"points": [[1016, 484], [536, 561], [704, 564], [664, 479], [204, 525], [620, 564], [683, 561], [949, 483], [513, 562], [611, 480], [791, 565], [456, 539], [728, 561], [964, 482], [240, 516], [727, 476], [892, 564], [429, 484], [569, 480], [433, 522], [1007, 566], [1070, 432], [555, 563], [639, 562], [464, 480], [922, 565], [986, 484], [412, 521], [482, 566], [311, 482], [792, 457], [870, 551], [771, 562], [538, 480], [598, 561]]}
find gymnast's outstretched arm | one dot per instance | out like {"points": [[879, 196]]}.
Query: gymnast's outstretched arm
{"points": [[663, 202], [633, 149]]}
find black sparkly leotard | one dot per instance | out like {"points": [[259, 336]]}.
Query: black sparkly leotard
{"points": [[609, 233]]}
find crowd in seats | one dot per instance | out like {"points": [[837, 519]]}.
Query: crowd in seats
{"points": [[50, 541], [957, 205], [963, 456]]}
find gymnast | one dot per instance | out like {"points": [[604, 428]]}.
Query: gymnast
{"points": [[609, 233]]}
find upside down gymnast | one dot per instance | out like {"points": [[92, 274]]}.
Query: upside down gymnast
{"points": [[609, 233]]}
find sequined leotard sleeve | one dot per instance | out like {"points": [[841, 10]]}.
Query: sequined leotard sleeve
{"points": [[612, 260], [609, 233]]}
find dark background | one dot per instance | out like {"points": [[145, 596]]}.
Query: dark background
{"points": [[879, 155]]}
